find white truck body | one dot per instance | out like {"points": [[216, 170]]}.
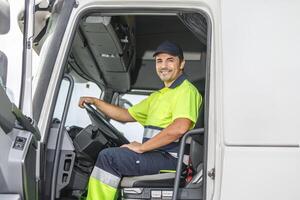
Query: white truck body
{"points": [[252, 122]]}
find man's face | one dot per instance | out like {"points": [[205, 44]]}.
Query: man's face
{"points": [[168, 67]]}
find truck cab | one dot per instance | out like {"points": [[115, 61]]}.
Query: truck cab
{"points": [[246, 133]]}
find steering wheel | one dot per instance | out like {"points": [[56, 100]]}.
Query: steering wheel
{"points": [[107, 128]]}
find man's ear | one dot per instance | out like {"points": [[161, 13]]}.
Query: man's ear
{"points": [[182, 64]]}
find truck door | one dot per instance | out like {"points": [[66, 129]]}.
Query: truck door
{"points": [[18, 146], [18, 134]]}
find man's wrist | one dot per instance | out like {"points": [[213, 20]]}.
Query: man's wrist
{"points": [[142, 148], [95, 102]]}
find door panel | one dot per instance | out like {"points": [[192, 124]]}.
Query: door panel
{"points": [[260, 173], [18, 155]]}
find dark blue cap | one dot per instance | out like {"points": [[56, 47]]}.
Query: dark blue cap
{"points": [[170, 48]]}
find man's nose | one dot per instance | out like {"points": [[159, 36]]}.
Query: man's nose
{"points": [[164, 65]]}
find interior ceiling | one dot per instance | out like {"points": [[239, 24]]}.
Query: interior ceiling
{"points": [[96, 60], [150, 32]]}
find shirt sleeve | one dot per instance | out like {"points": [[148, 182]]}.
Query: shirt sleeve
{"points": [[187, 105], [140, 111]]}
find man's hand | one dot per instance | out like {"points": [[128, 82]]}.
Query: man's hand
{"points": [[134, 146], [111, 111], [89, 100]]}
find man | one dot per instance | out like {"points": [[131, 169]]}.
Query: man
{"points": [[166, 115]]}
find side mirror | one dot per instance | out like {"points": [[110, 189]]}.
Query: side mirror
{"points": [[3, 69], [124, 103], [4, 16]]}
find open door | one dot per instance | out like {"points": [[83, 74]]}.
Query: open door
{"points": [[18, 134], [18, 145]]}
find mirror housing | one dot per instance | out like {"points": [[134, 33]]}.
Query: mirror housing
{"points": [[124, 103], [4, 17], [3, 69]]}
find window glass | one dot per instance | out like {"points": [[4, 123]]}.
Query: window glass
{"points": [[76, 115], [132, 131], [3, 69]]}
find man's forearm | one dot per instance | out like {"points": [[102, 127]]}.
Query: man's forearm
{"points": [[113, 111], [158, 141], [170, 134]]}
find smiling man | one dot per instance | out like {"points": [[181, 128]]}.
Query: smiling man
{"points": [[166, 116]]}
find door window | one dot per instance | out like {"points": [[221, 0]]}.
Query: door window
{"points": [[132, 131], [76, 115]]}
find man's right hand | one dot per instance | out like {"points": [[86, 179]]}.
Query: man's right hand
{"points": [[110, 110], [89, 100]]}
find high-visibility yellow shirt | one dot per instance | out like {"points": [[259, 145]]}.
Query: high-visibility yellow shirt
{"points": [[161, 108]]}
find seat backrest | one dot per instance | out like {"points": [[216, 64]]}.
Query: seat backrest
{"points": [[196, 153], [196, 146], [200, 120]]}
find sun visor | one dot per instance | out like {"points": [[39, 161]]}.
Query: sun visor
{"points": [[110, 44]]}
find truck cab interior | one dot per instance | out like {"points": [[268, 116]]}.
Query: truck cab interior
{"points": [[114, 52], [110, 56]]}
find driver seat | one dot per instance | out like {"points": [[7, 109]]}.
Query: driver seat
{"points": [[161, 186]]}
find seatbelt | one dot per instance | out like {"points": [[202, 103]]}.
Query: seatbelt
{"points": [[189, 171]]}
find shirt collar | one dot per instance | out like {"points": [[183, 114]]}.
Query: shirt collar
{"points": [[178, 81]]}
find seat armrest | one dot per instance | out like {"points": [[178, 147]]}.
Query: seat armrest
{"points": [[191, 133]]}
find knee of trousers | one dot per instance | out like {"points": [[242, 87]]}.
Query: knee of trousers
{"points": [[105, 158]]}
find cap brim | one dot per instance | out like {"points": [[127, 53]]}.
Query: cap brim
{"points": [[158, 52]]}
